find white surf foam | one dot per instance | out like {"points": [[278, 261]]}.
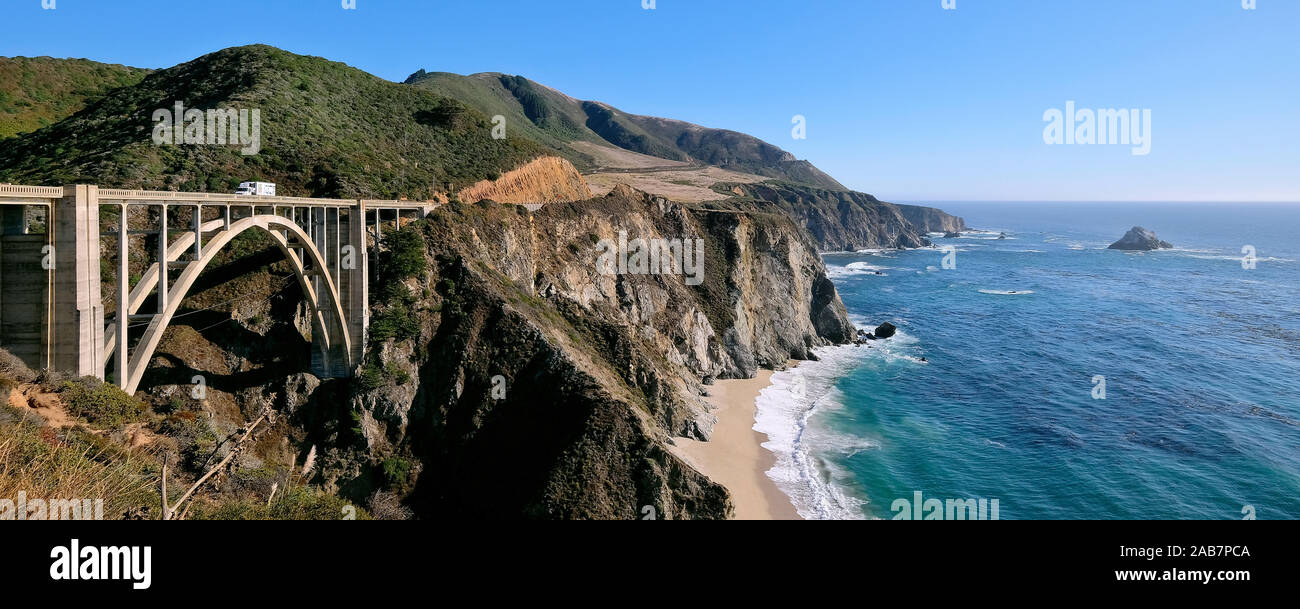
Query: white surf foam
{"points": [[856, 269], [1007, 292], [786, 412]]}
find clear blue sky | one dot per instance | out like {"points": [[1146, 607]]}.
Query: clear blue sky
{"points": [[903, 99]]}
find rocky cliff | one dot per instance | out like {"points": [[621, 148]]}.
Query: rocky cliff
{"points": [[838, 220], [532, 383], [546, 179], [931, 220]]}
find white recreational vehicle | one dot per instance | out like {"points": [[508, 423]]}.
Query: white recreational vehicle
{"points": [[260, 189]]}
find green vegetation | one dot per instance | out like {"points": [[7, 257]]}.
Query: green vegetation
{"points": [[40, 91], [99, 403], [326, 130], [397, 472], [558, 122], [194, 436], [402, 258], [296, 503]]}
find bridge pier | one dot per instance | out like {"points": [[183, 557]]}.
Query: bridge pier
{"points": [[25, 288], [354, 284], [77, 338]]}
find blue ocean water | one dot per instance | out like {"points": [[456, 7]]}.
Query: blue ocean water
{"points": [[1200, 359]]}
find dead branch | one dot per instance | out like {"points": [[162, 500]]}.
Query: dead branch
{"points": [[239, 446]]}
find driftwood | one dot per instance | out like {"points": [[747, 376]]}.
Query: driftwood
{"points": [[239, 446]]}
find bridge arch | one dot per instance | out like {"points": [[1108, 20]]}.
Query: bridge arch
{"points": [[329, 329]]}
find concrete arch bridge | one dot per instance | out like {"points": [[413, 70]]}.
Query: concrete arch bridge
{"points": [[52, 311]]}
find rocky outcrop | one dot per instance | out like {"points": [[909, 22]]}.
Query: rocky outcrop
{"points": [[838, 220], [885, 330], [1140, 239], [931, 220], [540, 385], [547, 179]]}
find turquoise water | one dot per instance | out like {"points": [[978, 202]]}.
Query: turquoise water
{"points": [[1201, 359]]}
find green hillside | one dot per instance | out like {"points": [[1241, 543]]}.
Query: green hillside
{"points": [[327, 129], [534, 112], [39, 91], [557, 120]]}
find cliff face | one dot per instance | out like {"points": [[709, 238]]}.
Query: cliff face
{"points": [[544, 180], [838, 220], [931, 220], [593, 373]]}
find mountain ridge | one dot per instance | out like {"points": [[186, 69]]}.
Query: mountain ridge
{"points": [[328, 129], [562, 119]]}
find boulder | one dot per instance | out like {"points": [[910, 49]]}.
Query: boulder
{"points": [[951, 235], [1140, 239], [885, 330]]}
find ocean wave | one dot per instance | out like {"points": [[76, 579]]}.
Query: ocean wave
{"points": [[1237, 258], [806, 452], [854, 269], [784, 412], [1007, 292]]}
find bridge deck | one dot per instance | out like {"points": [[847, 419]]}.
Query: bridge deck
{"points": [[14, 194]]}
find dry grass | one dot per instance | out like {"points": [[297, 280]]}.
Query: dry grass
{"points": [[74, 464]]}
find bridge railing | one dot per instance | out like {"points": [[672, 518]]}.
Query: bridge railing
{"points": [[29, 195]]}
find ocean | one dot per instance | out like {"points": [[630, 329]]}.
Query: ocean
{"points": [[1063, 379]]}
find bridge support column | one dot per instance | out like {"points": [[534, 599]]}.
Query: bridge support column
{"points": [[354, 287], [76, 344], [24, 288]]}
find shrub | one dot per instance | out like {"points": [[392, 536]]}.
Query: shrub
{"points": [[397, 471], [296, 503], [388, 506], [371, 378], [404, 257], [14, 369], [174, 404], [99, 403], [396, 321], [194, 437]]}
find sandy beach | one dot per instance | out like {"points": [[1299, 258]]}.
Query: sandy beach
{"points": [[734, 457]]}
